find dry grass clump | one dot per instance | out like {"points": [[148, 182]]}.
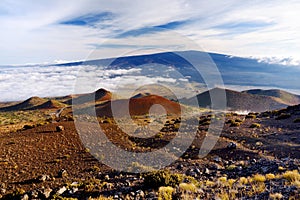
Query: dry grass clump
{"points": [[259, 178], [255, 125], [270, 176], [283, 116], [187, 187], [160, 178], [276, 196], [165, 193], [235, 124], [291, 176], [250, 116]]}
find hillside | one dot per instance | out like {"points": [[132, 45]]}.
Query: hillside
{"points": [[51, 104], [97, 96], [25, 105], [137, 106], [286, 97], [241, 101]]}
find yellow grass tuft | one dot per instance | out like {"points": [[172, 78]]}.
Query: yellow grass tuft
{"points": [[165, 193], [270, 176], [259, 178]]}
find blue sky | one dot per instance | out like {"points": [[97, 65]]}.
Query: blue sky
{"points": [[60, 30]]}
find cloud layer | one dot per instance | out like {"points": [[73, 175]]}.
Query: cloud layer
{"points": [[22, 82]]}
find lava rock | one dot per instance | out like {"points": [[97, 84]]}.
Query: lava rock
{"points": [[62, 173], [231, 146], [61, 190], [60, 128], [45, 193]]}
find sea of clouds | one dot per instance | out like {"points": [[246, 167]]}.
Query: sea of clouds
{"points": [[22, 82]]}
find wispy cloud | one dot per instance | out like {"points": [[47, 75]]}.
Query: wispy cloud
{"points": [[290, 61], [37, 32]]}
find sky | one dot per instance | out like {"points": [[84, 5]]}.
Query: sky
{"points": [[35, 33], [54, 31]]}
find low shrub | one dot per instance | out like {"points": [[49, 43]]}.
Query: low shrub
{"points": [[291, 176], [250, 116], [270, 176], [160, 178], [239, 120], [235, 124], [297, 120], [259, 178], [283, 116], [165, 193], [205, 121], [255, 125]]}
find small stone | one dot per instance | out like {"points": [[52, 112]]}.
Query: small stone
{"points": [[106, 177], [34, 194], [217, 159], [25, 197], [231, 146], [61, 190], [46, 193], [191, 172], [62, 173], [140, 194], [179, 167], [73, 190], [198, 171], [127, 183], [60, 128], [74, 184], [259, 144], [151, 195], [2, 185], [206, 171], [2, 191], [44, 178]]}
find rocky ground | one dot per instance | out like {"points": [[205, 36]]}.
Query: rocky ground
{"points": [[256, 157]]}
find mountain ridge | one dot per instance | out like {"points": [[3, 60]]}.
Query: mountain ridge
{"points": [[237, 101]]}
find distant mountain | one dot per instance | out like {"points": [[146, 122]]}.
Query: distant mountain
{"points": [[25, 105], [234, 70], [283, 96], [97, 96], [140, 95], [237, 101]]}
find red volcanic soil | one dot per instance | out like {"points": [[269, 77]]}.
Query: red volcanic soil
{"points": [[138, 106]]}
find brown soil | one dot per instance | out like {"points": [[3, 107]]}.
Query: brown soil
{"points": [[26, 155]]}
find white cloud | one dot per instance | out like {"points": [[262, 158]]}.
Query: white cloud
{"points": [[31, 33], [290, 61], [20, 83]]}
